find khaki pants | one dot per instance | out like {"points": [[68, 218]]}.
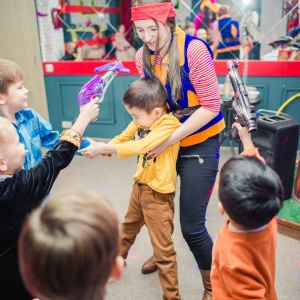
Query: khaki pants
{"points": [[156, 210]]}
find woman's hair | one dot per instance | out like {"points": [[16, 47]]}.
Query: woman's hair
{"points": [[68, 248], [250, 191], [174, 70], [146, 94], [10, 73]]}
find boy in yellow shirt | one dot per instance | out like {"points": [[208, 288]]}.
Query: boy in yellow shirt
{"points": [[152, 197]]}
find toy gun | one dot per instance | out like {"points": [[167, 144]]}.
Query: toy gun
{"points": [[243, 111], [98, 85]]}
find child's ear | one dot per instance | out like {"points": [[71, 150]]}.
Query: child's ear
{"points": [[117, 270], [221, 208], [3, 165], [158, 111], [2, 99]]}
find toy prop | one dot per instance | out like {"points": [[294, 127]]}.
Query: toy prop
{"points": [[243, 111], [98, 85]]}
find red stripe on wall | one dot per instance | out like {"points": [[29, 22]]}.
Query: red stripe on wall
{"points": [[67, 8], [255, 68]]}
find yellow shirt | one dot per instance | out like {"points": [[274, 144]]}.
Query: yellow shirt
{"points": [[158, 173]]}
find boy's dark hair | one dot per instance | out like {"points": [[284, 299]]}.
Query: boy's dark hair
{"points": [[96, 27], [146, 93], [250, 191]]}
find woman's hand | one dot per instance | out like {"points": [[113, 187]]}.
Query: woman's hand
{"points": [[159, 149]]}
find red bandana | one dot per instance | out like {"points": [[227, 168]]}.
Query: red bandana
{"points": [[157, 11]]}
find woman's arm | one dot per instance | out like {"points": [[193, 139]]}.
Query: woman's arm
{"points": [[197, 120], [203, 77]]}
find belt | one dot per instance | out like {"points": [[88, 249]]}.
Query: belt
{"points": [[140, 183], [180, 113], [229, 40]]}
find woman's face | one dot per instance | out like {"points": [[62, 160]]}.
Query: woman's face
{"points": [[150, 34]]}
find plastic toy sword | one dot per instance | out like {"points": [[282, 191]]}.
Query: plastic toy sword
{"points": [[98, 85]]}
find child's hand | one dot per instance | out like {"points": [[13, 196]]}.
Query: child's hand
{"points": [[93, 150], [91, 109], [244, 135]]}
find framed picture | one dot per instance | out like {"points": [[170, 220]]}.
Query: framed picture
{"points": [[177, 5], [88, 3]]}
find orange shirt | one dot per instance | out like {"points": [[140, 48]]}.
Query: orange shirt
{"points": [[244, 264]]}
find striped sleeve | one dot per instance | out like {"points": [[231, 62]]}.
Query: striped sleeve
{"points": [[203, 76], [139, 62]]}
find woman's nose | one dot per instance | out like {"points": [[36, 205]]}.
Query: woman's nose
{"points": [[148, 37]]}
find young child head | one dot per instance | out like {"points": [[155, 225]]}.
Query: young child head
{"points": [[13, 95], [201, 33], [145, 100], [189, 28], [12, 152], [10, 73], [68, 248], [250, 192]]}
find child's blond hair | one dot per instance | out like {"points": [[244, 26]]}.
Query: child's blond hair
{"points": [[10, 73], [68, 248]]}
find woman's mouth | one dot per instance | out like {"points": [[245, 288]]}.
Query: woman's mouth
{"points": [[151, 44]]}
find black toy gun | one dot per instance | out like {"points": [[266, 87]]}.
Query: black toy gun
{"points": [[243, 111]]}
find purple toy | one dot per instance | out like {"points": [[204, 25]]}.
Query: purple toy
{"points": [[98, 85]]}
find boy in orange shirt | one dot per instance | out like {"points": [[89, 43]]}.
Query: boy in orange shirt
{"points": [[251, 194]]}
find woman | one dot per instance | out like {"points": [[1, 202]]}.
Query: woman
{"points": [[184, 65]]}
